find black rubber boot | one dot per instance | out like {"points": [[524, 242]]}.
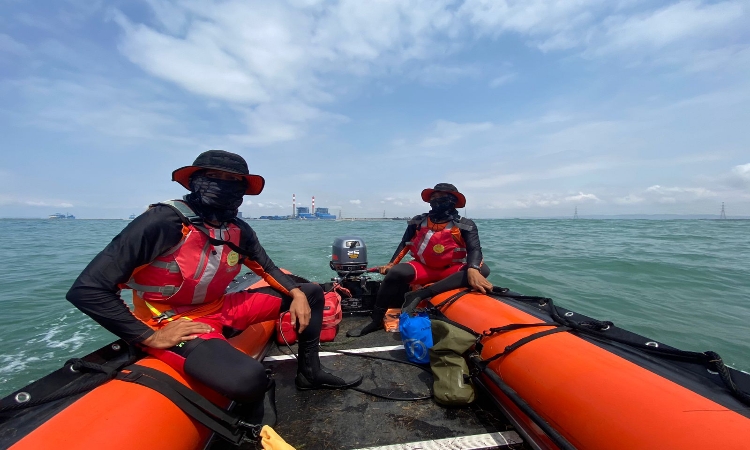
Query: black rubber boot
{"points": [[262, 412], [412, 299], [378, 314], [312, 375]]}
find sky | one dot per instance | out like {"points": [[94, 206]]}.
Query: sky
{"points": [[532, 108]]}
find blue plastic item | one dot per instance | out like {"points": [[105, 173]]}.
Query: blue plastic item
{"points": [[416, 335]]}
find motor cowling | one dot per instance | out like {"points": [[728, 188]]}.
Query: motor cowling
{"points": [[349, 256]]}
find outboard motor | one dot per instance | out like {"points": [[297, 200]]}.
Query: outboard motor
{"points": [[349, 260], [349, 256]]}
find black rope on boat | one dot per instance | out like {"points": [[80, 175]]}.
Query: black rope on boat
{"points": [[383, 358], [497, 330], [726, 377], [521, 342], [452, 299], [358, 389], [99, 375]]}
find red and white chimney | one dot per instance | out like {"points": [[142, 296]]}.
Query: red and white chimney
{"points": [[294, 205], [313, 206]]}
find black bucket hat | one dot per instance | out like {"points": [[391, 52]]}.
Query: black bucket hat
{"points": [[224, 161], [447, 188]]}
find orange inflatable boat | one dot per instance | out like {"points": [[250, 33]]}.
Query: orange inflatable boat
{"points": [[117, 414], [570, 381], [564, 380]]}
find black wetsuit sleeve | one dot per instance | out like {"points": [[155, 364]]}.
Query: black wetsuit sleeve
{"points": [[256, 253], [473, 247], [96, 290], [411, 230]]}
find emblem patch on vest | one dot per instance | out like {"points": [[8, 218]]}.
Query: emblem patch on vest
{"points": [[438, 248], [232, 258]]}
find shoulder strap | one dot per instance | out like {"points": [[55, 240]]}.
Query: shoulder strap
{"points": [[189, 217], [186, 213], [461, 224], [417, 220]]}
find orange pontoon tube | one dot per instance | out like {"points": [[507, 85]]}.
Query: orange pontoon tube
{"points": [[596, 394]]}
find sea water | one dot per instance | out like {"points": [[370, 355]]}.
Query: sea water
{"points": [[683, 282]]}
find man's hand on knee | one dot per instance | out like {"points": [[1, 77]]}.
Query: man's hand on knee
{"points": [[384, 269], [299, 310], [175, 332]]}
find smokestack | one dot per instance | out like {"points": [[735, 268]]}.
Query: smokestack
{"points": [[294, 206], [313, 206]]}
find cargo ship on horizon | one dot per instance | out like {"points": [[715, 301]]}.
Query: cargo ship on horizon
{"points": [[61, 216]]}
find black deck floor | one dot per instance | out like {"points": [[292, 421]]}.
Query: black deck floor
{"points": [[347, 419]]}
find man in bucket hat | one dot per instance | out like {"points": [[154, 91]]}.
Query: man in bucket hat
{"points": [[178, 258], [446, 252]]}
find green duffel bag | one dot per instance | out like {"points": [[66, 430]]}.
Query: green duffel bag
{"points": [[452, 384]]}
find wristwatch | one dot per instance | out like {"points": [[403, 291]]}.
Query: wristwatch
{"points": [[474, 266]]}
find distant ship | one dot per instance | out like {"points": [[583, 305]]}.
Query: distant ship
{"points": [[61, 216], [131, 217], [273, 217]]}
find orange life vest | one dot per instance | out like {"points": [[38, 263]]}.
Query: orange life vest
{"points": [[188, 280], [438, 249]]}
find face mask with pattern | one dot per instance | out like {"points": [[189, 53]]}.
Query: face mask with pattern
{"points": [[214, 199], [443, 209]]}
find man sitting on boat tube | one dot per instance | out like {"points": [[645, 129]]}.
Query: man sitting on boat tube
{"points": [[446, 252], [178, 258]]}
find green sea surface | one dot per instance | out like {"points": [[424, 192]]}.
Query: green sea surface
{"points": [[682, 282]]}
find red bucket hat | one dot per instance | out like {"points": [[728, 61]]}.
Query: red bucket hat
{"points": [[447, 188], [224, 161]]}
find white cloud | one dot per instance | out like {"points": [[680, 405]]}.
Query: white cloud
{"points": [[200, 67], [629, 200], [696, 192], [542, 20], [738, 177], [675, 23], [502, 79], [442, 74], [532, 200], [6, 199], [733, 58], [277, 122], [272, 57], [581, 197], [496, 178], [543, 200], [742, 171], [355, 202], [599, 28], [96, 104], [250, 52], [12, 46], [269, 57], [446, 133]]}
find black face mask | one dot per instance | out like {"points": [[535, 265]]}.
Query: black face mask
{"points": [[443, 209], [214, 199]]}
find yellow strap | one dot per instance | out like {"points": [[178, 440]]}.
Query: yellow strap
{"points": [[157, 313], [151, 308], [270, 440]]}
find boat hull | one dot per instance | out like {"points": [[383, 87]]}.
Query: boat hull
{"points": [[120, 415], [591, 396]]}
